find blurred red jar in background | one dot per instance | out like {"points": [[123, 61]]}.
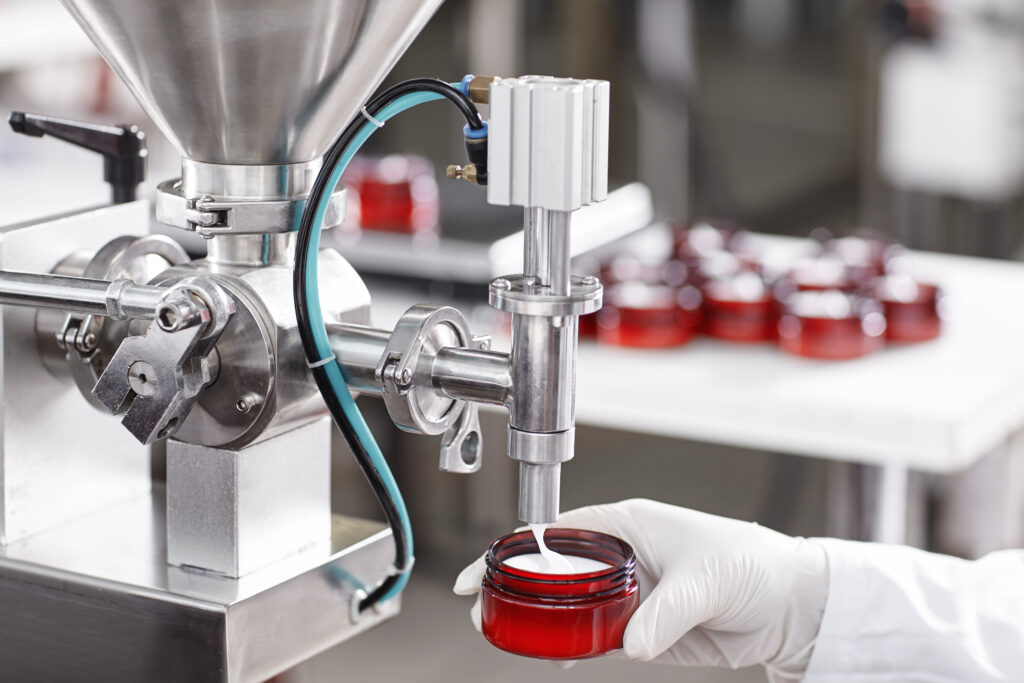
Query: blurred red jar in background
{"points": [[817, 274], [830, 324], [649, 315], [396, 193], [692, 243], [739, 308], [865, 257], [912, 308]]}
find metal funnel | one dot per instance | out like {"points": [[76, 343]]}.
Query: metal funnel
{"points": [[252, 81]]}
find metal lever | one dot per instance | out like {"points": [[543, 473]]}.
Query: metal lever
{"points": [[157, 376], [123, 147]]}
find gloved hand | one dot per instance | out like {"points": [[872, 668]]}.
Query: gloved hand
{"points": [[715, 591]]}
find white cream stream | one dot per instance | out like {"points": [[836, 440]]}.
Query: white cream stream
{"points": [[547, 561]]}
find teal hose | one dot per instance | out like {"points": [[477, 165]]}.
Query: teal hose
{"points": [[319, 329]]}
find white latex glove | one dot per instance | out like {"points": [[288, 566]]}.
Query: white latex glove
{"points": [[715, 591]]}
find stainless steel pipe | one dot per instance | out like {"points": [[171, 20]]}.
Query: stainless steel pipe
{"points": [[120, 299], [541, 414], [461, 374]]}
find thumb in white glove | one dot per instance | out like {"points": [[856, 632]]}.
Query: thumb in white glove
{"points": [[716, 591]]}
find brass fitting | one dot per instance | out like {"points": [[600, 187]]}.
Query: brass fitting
{"points": [[467, 172], [480, 89]]}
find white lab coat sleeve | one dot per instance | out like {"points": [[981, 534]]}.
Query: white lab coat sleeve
{"points": [[899, 614]]}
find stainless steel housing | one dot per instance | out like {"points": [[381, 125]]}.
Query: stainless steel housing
{"points": [[251, 81]]}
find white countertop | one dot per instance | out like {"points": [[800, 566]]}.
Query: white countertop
{"points": [[936, 406]]}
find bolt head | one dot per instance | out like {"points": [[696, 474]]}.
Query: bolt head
{"points": [[502, 284], [590, 280], [168, 317], [406, 376]]}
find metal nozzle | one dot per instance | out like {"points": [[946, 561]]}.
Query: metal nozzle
{"points": [[538, 492]]}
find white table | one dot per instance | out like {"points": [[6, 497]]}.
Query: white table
{"points": [[939, 406]]}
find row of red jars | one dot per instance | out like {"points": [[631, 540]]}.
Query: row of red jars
{"points": [[799, 329]]}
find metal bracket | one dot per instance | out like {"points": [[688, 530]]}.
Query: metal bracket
{"points": [[157, 376], [462, 443], [420, 325], [210, 216]]}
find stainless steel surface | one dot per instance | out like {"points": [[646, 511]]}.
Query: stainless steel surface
{"points": [[251, 81], [462, 443], [178, 350], [95, 601], [542, 448], [251, 251], [359, 349], [543, 374], [80, 346], [248, 181], [120, 299], [59, 458], [476, 375], [260, 354], [210, 216], [463, 374], [546, 248], [520, 294], [232, 512], [539, 489]]}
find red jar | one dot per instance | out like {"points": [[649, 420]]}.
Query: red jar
{"points": [[739, 309], [819, 274], [692, 243], [645, 315], [559, 616], [831, 324], [911, 308], [865, 256], [396, 193]]}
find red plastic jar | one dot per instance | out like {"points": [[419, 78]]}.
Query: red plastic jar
{"points": [[911, 308], [588, 326], [819, 274], [831, 324], [692, 243], [644, 315], [396, 193], [865, 256], [559, 616], [740, 309]]}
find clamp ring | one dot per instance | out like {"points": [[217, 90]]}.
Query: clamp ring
{"points": [[397, 367]]}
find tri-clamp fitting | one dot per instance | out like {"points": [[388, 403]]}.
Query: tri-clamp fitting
{"points": [[432, 374]]}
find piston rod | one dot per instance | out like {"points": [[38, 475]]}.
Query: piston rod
{"points": [[121, 299]]}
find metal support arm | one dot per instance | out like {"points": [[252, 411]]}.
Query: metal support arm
{"points": [[121, 299]]}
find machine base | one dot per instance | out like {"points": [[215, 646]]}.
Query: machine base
{"points": [[94, 600]]}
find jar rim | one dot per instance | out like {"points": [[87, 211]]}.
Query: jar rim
{"points": [[524, 542]]}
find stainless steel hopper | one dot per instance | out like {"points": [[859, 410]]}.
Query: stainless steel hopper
{"points": [[263, 82]]}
